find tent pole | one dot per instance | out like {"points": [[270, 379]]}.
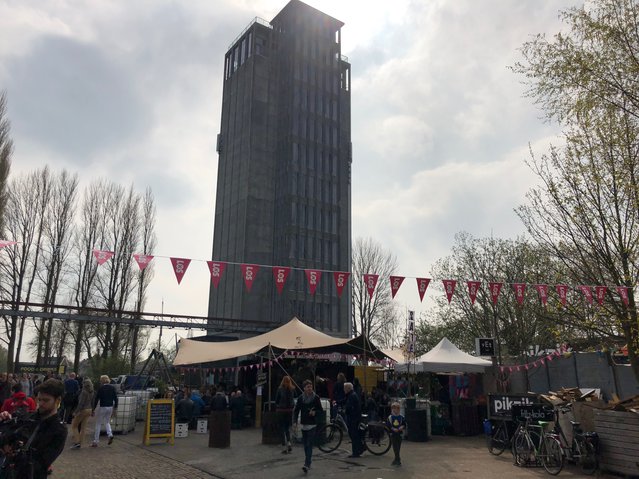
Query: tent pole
{"points": [[270, 358]]}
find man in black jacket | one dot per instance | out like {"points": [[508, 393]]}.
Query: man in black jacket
{"points": [[353, 410], [41, 439], [309, 405]]}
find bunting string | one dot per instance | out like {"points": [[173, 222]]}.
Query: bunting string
{"points": [[586, 293]]}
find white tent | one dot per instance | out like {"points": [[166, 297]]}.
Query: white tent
{"points": [[293, 335], [446, 358]]}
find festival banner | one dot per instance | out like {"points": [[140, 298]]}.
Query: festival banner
{"points": [[142, 260], [473, 288], [542, 289], [587, 293], [102, 256], [340, 278], [395, 283], [280, 273], [313, 276], [600, 292], [4, 243], [370, 280], [520, 292], [217, 270], [180, 265], [623, 293], [249, 272], [495, 289], [562, 291], [449, 288], [422, 285]]}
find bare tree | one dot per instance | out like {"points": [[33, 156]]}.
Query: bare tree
{"points": [[370, 315], [6, 149], [56, 247], [144, 276], [28, 196]]}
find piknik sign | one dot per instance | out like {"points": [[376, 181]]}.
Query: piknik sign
{"points": [[500, 406]]}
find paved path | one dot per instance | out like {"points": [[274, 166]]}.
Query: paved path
{"points": [[247, 458]]}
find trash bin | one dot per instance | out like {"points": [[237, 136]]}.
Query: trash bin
{"points": [[270, 428], [411, 403], [220, 429], [417, 424]]}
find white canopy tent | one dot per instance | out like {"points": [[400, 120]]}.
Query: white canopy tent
{"points": [[293, 335], [445, 358]]}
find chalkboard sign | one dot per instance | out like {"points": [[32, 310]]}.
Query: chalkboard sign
{"points": [[160, 420]]}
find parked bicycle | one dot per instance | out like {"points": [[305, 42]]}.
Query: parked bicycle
{"points": [[584, 447], [500, 436], [375, 435], [532, 445]]}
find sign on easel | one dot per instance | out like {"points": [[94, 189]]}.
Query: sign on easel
{"points": [[160, 420]]}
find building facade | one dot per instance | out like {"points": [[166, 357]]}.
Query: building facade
{"points": [[284, 187]]}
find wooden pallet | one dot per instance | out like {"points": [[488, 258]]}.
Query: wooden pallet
{"points": [[619, 440]]}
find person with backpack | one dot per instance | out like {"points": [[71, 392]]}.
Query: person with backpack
{"points": [[19, 404], [284, 405]]}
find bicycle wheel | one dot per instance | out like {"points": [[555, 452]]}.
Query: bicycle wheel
{"points": [[521, 448], [552, 457], [588, 461], [377, 439], [498, 442], [328, 438]]}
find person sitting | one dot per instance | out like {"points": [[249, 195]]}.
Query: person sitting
{"points": [[18, 404], [184, 410], [198, 406]]}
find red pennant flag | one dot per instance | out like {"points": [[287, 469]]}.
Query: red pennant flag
{"points": [[4, 243], [422, 285], [313, 276], [249, 272], [623, 293], [495, 289], [280, 273], [180, 266], [449, 288], [542, 289], [587, 293], [600, 291], [142, 260], [473, 288], [217, 270], [562, 291], [370, 280], [340, 277], [520, 291], [395, 283], [102, 256]]}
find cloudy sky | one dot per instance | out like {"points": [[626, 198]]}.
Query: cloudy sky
{"points": [[131, 91]]}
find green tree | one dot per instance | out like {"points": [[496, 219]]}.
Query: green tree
{"points": [[585, 213]]}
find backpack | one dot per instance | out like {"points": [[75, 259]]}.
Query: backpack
{"points": [[19, 408]]}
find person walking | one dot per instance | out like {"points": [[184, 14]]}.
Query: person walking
{"points": [[106, 401], [353, 410], [396, 423], [284, 405], [308, 405], [82, 413], [70, 399]]}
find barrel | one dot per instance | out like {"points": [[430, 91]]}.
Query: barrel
{"points": [[220, 429], [417, 424], [270, 428]]}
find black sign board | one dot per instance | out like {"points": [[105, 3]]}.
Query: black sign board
{"points": [[500, 405], [160, 417], [485, 346], [534, 412]]}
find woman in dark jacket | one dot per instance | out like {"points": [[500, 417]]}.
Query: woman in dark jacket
{"points": [[284, 404]]}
